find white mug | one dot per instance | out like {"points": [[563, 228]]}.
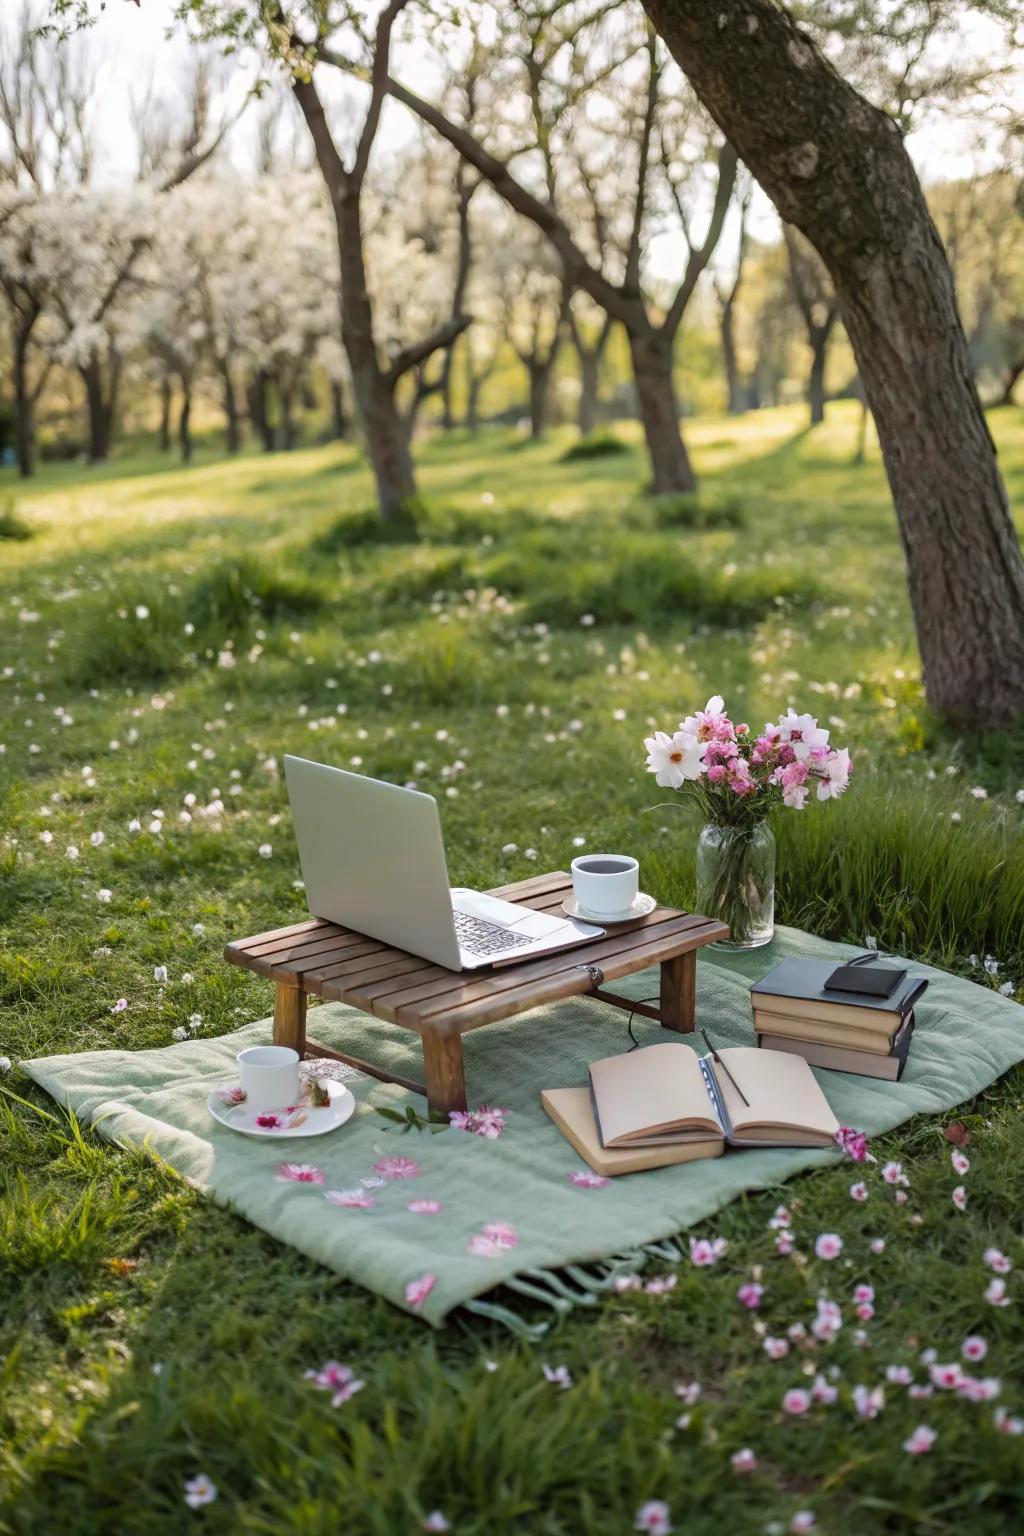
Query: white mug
{"points": [[604, 883], [269, 1076]]}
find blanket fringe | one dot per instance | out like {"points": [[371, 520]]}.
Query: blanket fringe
{"points": [[576, 1285]]}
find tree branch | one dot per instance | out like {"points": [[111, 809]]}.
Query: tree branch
{"points": [[727, 163], [442, 336]]}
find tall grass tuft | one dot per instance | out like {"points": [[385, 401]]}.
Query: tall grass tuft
{"points": [[11, 525]]}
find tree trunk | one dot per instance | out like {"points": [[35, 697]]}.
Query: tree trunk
{"points": [[1010, 377], [232, 415], [671, 471], [164, 431], [590, 383], [474, 389], [838, 169], [816, 379], [185, 422], [24, 429], [734, 387], [99, 419], [286, 401], [339, 418], [386, 440], [540, 397], [259, 409]]}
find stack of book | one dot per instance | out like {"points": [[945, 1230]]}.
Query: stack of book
{"points": [[847, 1018]]}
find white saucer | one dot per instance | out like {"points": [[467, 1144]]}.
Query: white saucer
{"points": [[640, 907], [295, 1121]]}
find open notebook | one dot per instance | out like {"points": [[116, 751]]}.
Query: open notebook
{"points": [[665, 1095]]}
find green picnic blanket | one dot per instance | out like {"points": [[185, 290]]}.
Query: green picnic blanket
{"points": [[509, 1209]]}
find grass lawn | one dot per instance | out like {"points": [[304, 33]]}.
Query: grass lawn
{"points": [[167, 635]]}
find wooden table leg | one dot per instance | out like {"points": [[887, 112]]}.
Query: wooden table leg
{"points": [[446, 1080], [679, 992], [290, 1017]]}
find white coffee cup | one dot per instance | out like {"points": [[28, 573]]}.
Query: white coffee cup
{"points": [[269, 1076], [605, 883]]}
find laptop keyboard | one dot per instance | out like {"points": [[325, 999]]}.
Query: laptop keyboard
{"points": [[483, 938]]}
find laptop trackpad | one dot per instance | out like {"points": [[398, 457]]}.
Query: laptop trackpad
{"points": [[507, 914], [537, 925]]}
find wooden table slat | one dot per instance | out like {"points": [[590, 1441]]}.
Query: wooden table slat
{"points": [[245, 946], [280, 949], [333, 954]]}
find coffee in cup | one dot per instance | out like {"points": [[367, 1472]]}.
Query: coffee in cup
{"points": [[605, 883]]}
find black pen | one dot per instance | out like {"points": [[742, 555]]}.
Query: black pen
{"points": [[719, 1062]]}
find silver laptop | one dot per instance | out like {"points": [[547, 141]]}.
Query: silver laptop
{"points": [[373, 859]]}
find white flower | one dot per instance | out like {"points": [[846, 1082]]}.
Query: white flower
{"points": [[436, 1521], [199, 1491], [142, 612], [5, 1064], [265, 851], [510, 848], [46, 837], [97, 839], [674, 759], [105, 896], [71, 851], [803, 734], [160, 973], [557, 1375], [179, 1033], [837, 775], [195, 1020]]}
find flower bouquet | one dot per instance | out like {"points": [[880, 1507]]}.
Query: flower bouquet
{"points": [[737, 780]]}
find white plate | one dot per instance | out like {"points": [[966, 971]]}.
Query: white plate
{"points": [[296, 1121], [641, 906]]}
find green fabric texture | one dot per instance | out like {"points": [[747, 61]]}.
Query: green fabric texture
{"points": [[966, 1036]]}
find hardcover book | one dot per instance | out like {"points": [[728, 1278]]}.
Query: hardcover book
{"points": [[798, 988]]}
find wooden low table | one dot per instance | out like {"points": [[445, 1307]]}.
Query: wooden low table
{"points": [[321, 959]]}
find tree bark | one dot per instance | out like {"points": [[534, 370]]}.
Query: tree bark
{"points": [[837, 168], [590, 373], [259, 408], [671, 471], [185, 422], [99, 423], [164, 430], [24, 429], [286, 402], [339, 416], [1010, 377], [540, 397], [232, 414], [730, 361], [816, 380]]}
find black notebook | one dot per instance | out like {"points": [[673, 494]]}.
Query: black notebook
{"points": [[797, 988]]}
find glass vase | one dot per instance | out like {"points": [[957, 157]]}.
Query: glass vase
{"points": [[736, 881]]}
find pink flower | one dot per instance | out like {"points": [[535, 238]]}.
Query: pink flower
{"points": [[979, 1390], [231, 1096], [704, 1251], [459, 1119], [351, 1199], [785, 1242], [654, 1517], [995, 1293], [750, 1294], [268, 1121], [424, 1207], [340, 1380], [688, 1392], [828, 1246], [997, 1261], [797, 1332], [583, 1178], [893, 1173], [859, 1192], [488, 1121], [495, 1238], [868, 1403], [974, 1348], [717, 773], [802, 1522], [781, 1218], [863, 1292], [796, 1401], [119, 1006], [558, 1376], [623, 1283], [823, 1392], [199, 1491], [864, 1311], [877, 1245], [901, 1197], [854, 1143], [397, 1167], [744, 1460], [710, 723], [417, 1291], [1007, 1425], [899, 1375], [828, 1321], [961, 1162], [947, 1376], [436, 1521], [921, 1441], [299, 1173], [919, 1389], [959, 1198], [660, 1285], [775, 1349]]}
